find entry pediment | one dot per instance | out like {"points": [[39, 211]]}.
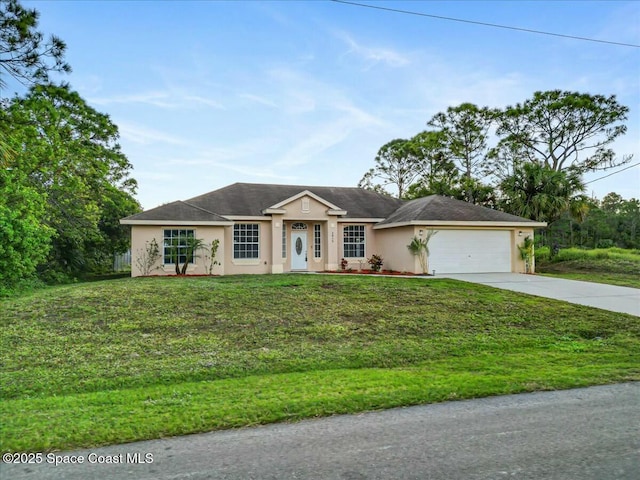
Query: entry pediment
{"points": [[277, 208]]}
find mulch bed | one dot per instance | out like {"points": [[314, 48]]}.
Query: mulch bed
{"points": [[383, 272]]}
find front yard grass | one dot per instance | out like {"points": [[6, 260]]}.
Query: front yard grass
{"points": [[614, 266], [124, 360]]}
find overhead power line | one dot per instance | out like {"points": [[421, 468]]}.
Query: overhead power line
{"points": [[614, 173], [494, 25]]}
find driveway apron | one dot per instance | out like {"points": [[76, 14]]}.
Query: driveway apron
{"points": [[606, 297]]}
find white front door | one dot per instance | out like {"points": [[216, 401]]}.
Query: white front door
{"points": [[298, 250]]}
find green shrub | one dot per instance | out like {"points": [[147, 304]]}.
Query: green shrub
{"points": [[25, 285], [571, 254], [605, 243], [625, 251], [542, 254], [376, 262]]}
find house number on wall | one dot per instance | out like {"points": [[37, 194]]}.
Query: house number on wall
{"points": [[298, 245]]}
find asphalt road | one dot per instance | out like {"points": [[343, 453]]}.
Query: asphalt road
{"points": [[591, 433]]}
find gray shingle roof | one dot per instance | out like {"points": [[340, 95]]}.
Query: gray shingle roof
{"points": [[251, 199], [179, 210], [439, 208]]}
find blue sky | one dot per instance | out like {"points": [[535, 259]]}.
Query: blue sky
{"points": [[210, 93]]}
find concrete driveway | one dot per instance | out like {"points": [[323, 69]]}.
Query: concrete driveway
{"points": [[606, 297]]}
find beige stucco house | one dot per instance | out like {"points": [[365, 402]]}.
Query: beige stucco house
{"points": [[284, 228]]}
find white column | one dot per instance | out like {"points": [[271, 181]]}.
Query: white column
{"points": [[276, 244], [333, 244]]}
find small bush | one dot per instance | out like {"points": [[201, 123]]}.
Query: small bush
{"points": [[605, 243], [376, 262], [344, 264], [542, 254], [26, 285]]}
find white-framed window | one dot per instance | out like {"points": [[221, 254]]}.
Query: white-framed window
{"points": [[317, 241], [354, 241], [175, 243], [284, 240], [246, 240]]}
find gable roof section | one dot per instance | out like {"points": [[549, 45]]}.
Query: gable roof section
{"points": [[304, 193], [439, 210], [176, 213], [251, 199]]}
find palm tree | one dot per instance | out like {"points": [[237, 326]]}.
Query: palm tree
{"points": [[192, 246], [540, 193], [526, 253], [419, 247]]}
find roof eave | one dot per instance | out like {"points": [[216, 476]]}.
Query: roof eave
{"points": [[458, 223], [274, 211], [124, 221], [359, 220], [336, 212]]}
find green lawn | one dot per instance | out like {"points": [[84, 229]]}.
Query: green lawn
{"points": [[614, 266], [124, 360]]}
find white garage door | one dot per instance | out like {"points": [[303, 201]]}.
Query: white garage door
{"points": [[470, 251]]}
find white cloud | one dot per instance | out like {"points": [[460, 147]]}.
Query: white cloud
{"points": [[358, 117], [258, 99], [314, 144], [341, 124], [203, 101], [229, 159], [146, 136], [373, 56], [155, 98], [159, 98], [154, 176]]}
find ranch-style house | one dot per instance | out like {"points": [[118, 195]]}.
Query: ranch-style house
{"points": [[263, 228]]}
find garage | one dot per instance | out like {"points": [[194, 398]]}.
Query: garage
{"points": [[470, 251]]}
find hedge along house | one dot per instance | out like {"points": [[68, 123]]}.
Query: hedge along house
{"points": [[286, 228]]}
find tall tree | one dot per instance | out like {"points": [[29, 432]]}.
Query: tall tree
{"points": [[629, 226], [623, 219], [396, 164], [438, 174], [69, 151], [24, 52], [24, 238], [562, 130], [465, 129], [26, 56], [612, 203]]}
